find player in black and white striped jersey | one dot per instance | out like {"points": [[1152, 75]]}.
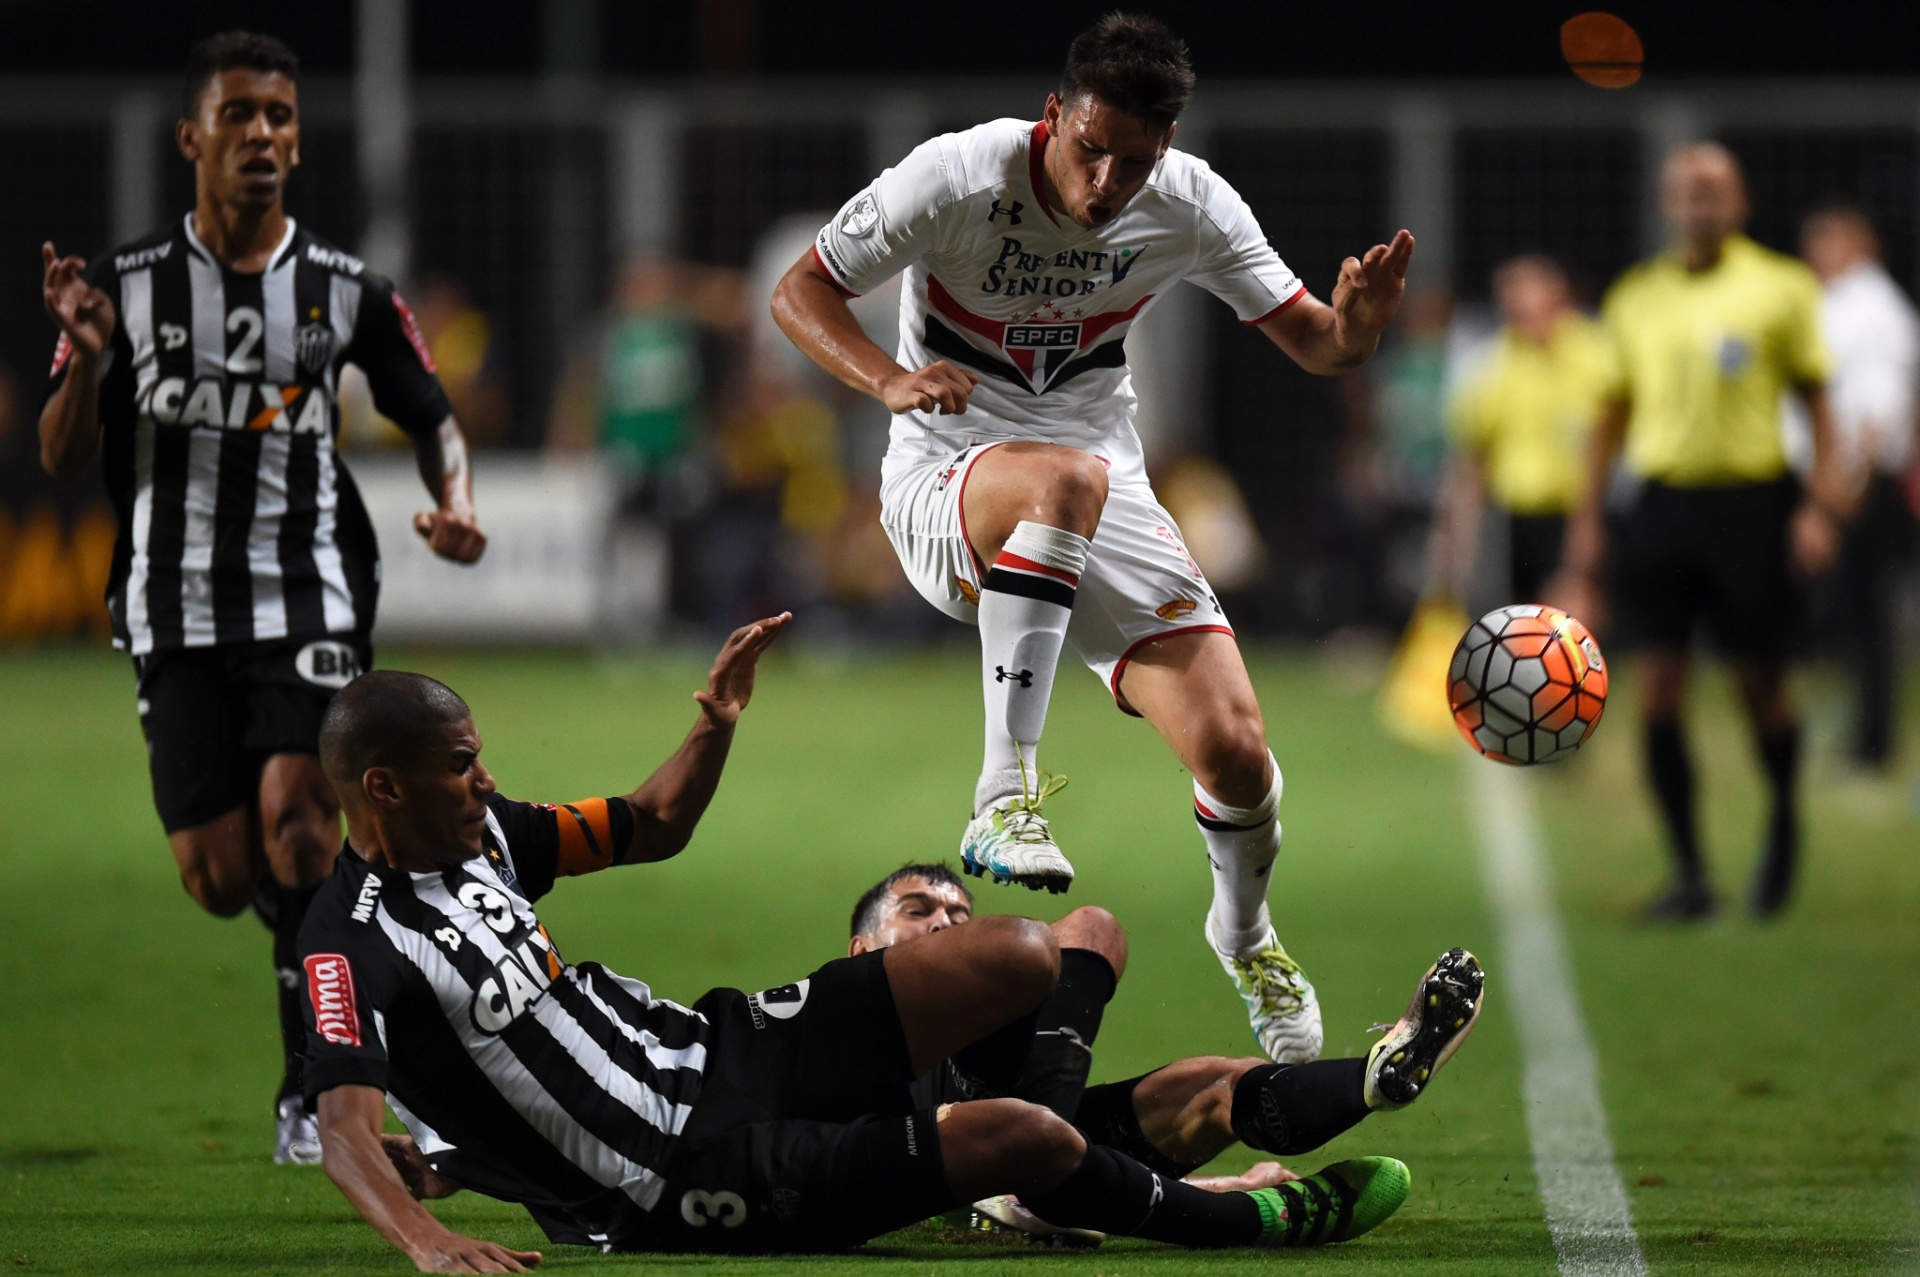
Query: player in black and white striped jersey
{"points": [[202, 364], [779, 1121]]}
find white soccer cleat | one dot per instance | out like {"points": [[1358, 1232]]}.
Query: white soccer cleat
{"points": [[1280, 1002], [1011, 842], [997, 1214], [296, 1134], [1445, 1006]]}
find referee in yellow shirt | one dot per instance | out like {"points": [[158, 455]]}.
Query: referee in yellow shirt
{"points": [[1520, 425], [1707, 338]]}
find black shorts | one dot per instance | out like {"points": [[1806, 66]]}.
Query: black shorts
{"points": [[1711, 558], [1533, 553], [214, 715], [806, 1136]]}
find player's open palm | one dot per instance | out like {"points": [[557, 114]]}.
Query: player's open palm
{"points": [[85, 313], [730, 682], [1368, 292], [456, 1254]]}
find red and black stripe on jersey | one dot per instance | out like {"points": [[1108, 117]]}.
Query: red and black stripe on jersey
{"points": [[219, 412], [1040, 356]]}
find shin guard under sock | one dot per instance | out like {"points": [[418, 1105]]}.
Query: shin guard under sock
{"points": [[1026, 602], [1112, 1193], [1295, 1108], [1069, 1021], [290, 910]]}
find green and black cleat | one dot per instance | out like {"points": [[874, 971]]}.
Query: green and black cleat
{"points": [[1338, 1204]]}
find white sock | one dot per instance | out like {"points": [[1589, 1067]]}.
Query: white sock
{"points": [[1242, 843], [1025, 604]]}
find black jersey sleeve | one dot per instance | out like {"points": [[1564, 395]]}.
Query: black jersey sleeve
{"points": [[352, 978], [388, 348], [546, 841]]}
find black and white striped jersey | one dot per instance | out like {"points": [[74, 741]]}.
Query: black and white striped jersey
{"points": [[218, 416], [444, 990]]}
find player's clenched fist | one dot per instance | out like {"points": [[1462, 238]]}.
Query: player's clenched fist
{"points": [[83, 312], [939, 384], [453, 534]]}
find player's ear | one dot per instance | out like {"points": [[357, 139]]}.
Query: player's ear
{"points": [[856, 946], [1055, 109], [381, 786], [187, 140], [1166, 143]]}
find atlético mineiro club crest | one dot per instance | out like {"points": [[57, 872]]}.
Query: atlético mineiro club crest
{"points": [[1036, 356]]}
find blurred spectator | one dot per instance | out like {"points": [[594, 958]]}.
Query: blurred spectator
{"points": [[460, 340], [639, 387], [1214, 521], [1875, 337], [1397, 450], [1520, 424]]}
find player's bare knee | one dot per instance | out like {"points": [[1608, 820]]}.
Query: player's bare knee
{"points": [[1234, 766], [1074, 490], [1093, 928], [1024, 956], [223, 890]]}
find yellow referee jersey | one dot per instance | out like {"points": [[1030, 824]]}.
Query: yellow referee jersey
{"points": [[1528, 410], [1703, 358]]}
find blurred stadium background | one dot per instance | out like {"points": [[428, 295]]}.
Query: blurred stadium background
{"points": [[587, 202]]}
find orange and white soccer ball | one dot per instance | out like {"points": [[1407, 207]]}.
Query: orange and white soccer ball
{"points": [[1527, 684]]}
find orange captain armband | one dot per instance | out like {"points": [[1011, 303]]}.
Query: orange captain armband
{"points": [[592, 835]]}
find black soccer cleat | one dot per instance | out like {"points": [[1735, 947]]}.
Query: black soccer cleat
{"points": [[1445, 1006]]}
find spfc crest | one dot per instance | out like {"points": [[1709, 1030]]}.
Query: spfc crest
{"points": [[313, 347]]}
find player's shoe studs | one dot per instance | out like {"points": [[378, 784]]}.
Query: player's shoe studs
{"points": [[296, 1135], [1445, 1005], [1011, 842], [1281, 1004], [1337, 1204], [1006, 1214]]}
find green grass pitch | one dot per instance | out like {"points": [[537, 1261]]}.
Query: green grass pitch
{"points": [[1760, 1082]]}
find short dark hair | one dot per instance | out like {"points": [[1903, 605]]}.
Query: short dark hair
{"points": [[1134, 64], [866, 914], [230, 50], [385, 718]]}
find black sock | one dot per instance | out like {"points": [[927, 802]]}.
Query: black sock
{"points": [[1780, 756], [1671, 772], [1069, 1021], [1295, 1108], [1112, 1193], [993, 1066], [1107, 1117], [290, 910]]}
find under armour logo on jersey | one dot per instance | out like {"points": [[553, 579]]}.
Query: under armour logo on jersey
{"points": [[1011, 214], [1024, 677], [172, 336]]}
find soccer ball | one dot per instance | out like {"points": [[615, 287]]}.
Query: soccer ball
{"points": [[1527, 684]]}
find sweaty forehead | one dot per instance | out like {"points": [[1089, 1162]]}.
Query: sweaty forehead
{"points": [[944, 893], [1108, 127]]}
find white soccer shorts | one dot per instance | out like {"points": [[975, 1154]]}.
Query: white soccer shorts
{"points": [[1140, 583]]}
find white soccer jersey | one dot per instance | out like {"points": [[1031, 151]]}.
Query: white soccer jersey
{"points": [[1036, 304]]}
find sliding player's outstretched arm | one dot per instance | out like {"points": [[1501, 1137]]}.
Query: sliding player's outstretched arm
{"points": [[812, 311], [671, 801], [358, 1164], [1328, 339]]}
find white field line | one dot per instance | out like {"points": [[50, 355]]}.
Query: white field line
{"points": [[1586, 1206]]}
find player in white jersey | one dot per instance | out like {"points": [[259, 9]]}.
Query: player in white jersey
{"points": [[1014, 490]]}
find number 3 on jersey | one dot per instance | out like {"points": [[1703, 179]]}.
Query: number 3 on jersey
{"points": [[699, 1206]]}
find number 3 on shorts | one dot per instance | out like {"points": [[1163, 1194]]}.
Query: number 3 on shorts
{"points": [[699, 1206]]}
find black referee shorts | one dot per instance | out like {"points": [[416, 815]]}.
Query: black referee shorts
{"points": [[805, 1136], [214, 715], [1533, 553], [1713, 559]]}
